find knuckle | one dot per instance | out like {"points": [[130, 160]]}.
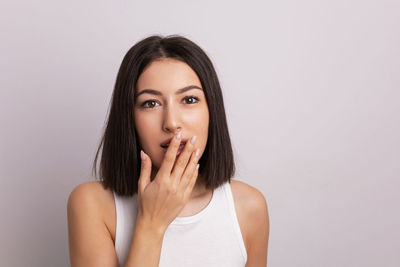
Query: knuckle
{"points": [[193, 162], [169, 157], [180, 163], [194, 157], [190, 148], [160, 185], [189, 151], [163, 183], [172, 189]]}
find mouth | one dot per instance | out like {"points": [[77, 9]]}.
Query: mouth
{"points": [[180, 149]]}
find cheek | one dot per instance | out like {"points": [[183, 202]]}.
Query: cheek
{"points": [[204, 119], [200, 116], [144, 126], [203, 124], [202, 129], [199, 122]]}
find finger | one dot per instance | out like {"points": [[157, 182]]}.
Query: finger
{"points": [[192, 181], [170, 155], [145, 171], [183, 160], [190, 169]]}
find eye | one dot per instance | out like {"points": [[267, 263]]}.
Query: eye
{"points": [[191, 99], [148, 104]]}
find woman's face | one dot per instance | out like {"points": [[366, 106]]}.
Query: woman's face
{"points": [[163, 107]]}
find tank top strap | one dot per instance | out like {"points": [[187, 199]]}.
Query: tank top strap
{"points": [[234, 218], [126, 214]]}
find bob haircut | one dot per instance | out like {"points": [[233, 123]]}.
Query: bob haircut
{"points": [[120, 159]]}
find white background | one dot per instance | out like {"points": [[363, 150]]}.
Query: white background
{"points": [[311, 90]]}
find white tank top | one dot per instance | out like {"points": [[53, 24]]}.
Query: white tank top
{"points": [[209, 238]]}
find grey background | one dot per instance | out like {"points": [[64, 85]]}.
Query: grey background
{"points": [[312, 97]]}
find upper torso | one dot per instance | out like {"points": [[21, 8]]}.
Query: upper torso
{"points": [[194, 206]]}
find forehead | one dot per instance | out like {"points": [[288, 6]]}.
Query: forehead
{"points": [[167, 75]]}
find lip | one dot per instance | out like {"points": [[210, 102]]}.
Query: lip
{"points": [[168, 141], [180, 149]]}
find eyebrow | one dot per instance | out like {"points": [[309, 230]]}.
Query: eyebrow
{"points": [[179, 91]]}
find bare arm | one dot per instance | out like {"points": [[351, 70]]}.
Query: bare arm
{"points": [[90, 242], [257, 209]]}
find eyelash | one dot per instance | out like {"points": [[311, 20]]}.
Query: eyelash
{"points": [[143, 105]]}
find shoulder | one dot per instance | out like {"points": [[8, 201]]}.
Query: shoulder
{"points": [[249, 197], [91, 200], [89, 193], [253, 216]]}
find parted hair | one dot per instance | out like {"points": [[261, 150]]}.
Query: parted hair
{"points": [[120, 163]]}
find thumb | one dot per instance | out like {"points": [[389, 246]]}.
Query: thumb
{"points": [[145, 171]]}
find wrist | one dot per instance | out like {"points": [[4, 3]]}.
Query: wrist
{"points": [[149, 227]]}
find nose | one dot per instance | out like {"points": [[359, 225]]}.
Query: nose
{"points": [[171, 120]]}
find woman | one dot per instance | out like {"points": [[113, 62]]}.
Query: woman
{"points": [[165, 195]]}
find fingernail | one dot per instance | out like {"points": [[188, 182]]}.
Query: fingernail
{"points": [[178, 136], [193, 140], [197, 167], [197, 152], [142, 155]]}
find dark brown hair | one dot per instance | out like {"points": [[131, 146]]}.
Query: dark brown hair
{"points": [[120, 158]]}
